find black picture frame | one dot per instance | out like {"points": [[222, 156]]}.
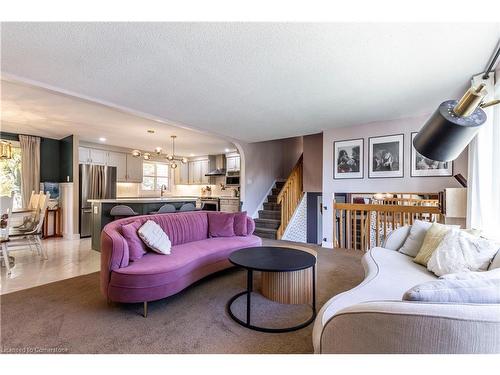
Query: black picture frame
{"points": [[386, 139], [349, 143]]}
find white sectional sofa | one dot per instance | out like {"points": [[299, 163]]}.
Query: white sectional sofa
{"points": [[373, 318]]}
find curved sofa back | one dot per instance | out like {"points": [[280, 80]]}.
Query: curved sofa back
{"points": [[181, 227]]}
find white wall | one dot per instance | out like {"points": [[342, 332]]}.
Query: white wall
{"points": [[405, 184]]}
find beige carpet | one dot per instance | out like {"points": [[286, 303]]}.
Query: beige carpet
{"points": [[71, 316]]}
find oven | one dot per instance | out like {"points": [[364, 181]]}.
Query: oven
{"points": [[210, 204]]}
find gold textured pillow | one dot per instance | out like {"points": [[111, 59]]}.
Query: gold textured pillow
{"points": [[432, 239]]}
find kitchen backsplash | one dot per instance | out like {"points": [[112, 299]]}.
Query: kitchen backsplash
{"points": [[128, 189]]}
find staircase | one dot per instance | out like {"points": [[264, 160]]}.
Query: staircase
{"points": [[266, 226]]}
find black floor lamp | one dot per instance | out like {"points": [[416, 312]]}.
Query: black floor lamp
{"points": [[455, 122]]}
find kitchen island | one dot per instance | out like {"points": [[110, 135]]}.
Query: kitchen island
{"points": [[101, 211]]}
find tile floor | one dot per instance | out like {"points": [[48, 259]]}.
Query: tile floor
{"points": [[66, 259]]}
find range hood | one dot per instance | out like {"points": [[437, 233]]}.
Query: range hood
{"points": [[219, 162]]}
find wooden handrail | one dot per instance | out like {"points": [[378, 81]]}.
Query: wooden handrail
{"points": [[363, 226], [290, 196]]}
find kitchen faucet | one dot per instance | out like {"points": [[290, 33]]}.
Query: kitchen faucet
{"points": [[163, 189]]}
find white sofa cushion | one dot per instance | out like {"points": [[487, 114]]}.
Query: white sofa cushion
{"points": [[154, 237], [416, 237], [492, 274], [460, 251], [388, 275], [456, 291]]}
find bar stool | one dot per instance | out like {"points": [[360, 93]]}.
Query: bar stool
{"points": [[122, 211], [187, 207], [166, 208]]}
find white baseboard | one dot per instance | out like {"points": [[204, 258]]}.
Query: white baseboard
{"points": [[261, 204], [327, 244]]}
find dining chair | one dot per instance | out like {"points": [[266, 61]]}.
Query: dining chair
{"points": [[6, 205], [32, 236], [166, 208], [122, 211]]}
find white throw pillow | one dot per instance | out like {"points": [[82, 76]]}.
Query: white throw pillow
{"points": [[414, 241], [154, 237], [460, 251], [495, 263], [456, 291], [468, 275]]}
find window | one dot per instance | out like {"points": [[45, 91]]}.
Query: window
{"points": [[154, 175], [10, 175]]}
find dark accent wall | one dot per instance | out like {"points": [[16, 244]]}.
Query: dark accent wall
{"points": [[312, 218], [56, 157], [66, 159]]}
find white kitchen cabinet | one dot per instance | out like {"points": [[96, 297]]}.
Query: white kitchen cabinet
{"points": [[83, 155], [118, 160], [134, 169], [195, 172], [233, 163], [182, 174], [205, 168], [99, 157]]}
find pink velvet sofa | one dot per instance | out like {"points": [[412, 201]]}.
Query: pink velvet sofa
{"points": [[154, 276]]}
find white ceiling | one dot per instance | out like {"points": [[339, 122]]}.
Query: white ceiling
{"points": [[32, 110], [255, 81]]}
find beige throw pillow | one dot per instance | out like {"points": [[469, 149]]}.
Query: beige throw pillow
{"points": [[432, 239]]}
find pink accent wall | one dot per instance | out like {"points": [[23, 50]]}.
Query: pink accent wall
{"points": [[405, 184]]}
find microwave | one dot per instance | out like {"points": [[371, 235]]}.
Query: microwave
{"points": [[233, 179]]}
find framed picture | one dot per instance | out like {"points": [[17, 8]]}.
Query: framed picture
{"points": [[348, 159], [422, 167], [386, 156]]}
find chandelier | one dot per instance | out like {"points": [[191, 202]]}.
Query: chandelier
{"points": [[172, 158]]}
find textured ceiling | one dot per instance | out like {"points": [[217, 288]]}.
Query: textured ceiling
{"points": [[254, 81], [36, 111]]}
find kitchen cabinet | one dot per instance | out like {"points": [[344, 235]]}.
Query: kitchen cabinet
{"points": [[195, 172], [232, 163], [205, 168], [181, 174], [134, 169], [88, 155], [118, 160]]}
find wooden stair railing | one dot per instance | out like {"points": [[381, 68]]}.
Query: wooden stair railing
{"points": [[290, 196], [362, 226]]}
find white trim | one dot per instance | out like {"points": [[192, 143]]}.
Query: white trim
{"points": [[261, 204], [71, 236], [327, 244]]}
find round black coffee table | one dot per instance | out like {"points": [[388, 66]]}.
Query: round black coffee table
{"points": [[271, 259]]}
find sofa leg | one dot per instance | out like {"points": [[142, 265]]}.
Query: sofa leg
{"points": [[145, 313]]}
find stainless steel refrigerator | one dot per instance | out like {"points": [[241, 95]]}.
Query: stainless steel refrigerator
{"points": [[96, 182]]}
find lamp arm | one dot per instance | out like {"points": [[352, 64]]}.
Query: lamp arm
{"points": [[490, 103]]}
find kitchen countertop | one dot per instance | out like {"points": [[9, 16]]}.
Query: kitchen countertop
{"points": [[157, 199]]}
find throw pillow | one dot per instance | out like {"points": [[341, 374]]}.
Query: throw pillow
{"points": [[136, 247], [154, 237], [414, 241], [432, 240], [240, 223], [456, 291], [495, 263], [460, 251], [492, 274], [221, 224]]}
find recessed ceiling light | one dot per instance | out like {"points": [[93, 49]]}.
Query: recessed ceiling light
{"points": [[102, 139], [151, 131], [191, 155], [227, 150]]}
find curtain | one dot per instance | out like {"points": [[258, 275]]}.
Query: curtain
{"points": [[484, 168], [30, 166]]}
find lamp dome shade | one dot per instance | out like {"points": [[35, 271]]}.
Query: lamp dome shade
{"points": [[445, 135]]}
